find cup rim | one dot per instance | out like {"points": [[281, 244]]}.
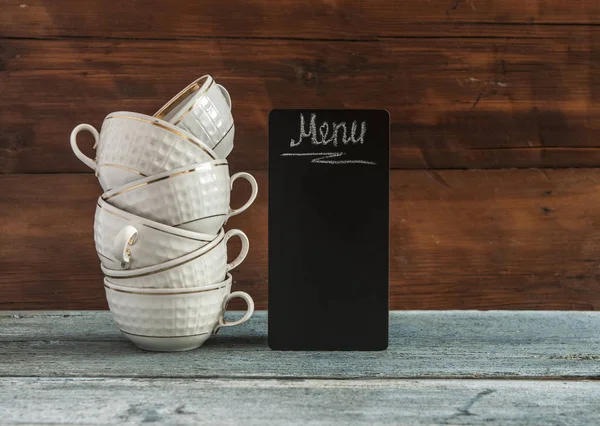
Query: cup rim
{"points": [[165, 266], [162, 176], [162, 124], [157, 226], [193, 87], [225, 135], [167, 291], [192, 105]]}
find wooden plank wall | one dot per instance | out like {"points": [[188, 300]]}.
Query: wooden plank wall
{"points": [[495, 185]]}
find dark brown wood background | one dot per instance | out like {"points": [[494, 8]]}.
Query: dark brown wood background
{"points": [[495, 188]]}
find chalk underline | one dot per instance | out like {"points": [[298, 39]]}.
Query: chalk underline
{"points": [[326, 158]]}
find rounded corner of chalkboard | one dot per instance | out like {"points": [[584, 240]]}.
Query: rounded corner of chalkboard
{"points": [[275, 110], [274, 346], [384, 347]]}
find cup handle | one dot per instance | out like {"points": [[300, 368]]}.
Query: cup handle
{"points": [[243, 252], [125, 238], [84, 158], [226, 95], [247, 315], [253, 184]]}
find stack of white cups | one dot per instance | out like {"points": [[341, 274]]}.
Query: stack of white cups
{"points": [[158, 225]]}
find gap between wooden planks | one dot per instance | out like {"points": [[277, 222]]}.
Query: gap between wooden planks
{"points": [[480, 239], [75, 367], [542, 345]]}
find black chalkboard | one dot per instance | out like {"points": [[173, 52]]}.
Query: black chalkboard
{"points": [[328, 229]]}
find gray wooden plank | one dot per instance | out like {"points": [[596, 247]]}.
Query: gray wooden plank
{"points": [[352, 402], [422, 344]]}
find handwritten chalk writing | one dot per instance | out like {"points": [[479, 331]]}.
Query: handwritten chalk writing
{"points": [[327, 158], [303, 134], [327, 138]]}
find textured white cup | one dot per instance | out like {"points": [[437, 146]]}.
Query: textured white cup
{"points": [[131, 146], [127, 241], [203, 108], [173, 319], [195, 197], [203, 267]]}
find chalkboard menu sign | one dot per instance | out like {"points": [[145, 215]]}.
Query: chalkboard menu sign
{"points": [[328, 229]]}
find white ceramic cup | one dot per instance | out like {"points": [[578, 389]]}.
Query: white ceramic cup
{"points": [[203, 267], [131, 146], [195, 197], [203, 108], [127, 241], [173, 319]]}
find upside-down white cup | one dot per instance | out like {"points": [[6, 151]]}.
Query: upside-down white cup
{"points": [[131, 146], [203, 267], [203, 108], [195, 197], [127, 241], [173, 319]]}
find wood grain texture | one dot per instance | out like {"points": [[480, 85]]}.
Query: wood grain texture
{"points": [[486, 239], [292, 402], [343, 19], [423, 344], [466, 103], [470, 84], [74, 367]]}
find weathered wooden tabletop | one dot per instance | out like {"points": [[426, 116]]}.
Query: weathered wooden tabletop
{"points": [[441, 368]]}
